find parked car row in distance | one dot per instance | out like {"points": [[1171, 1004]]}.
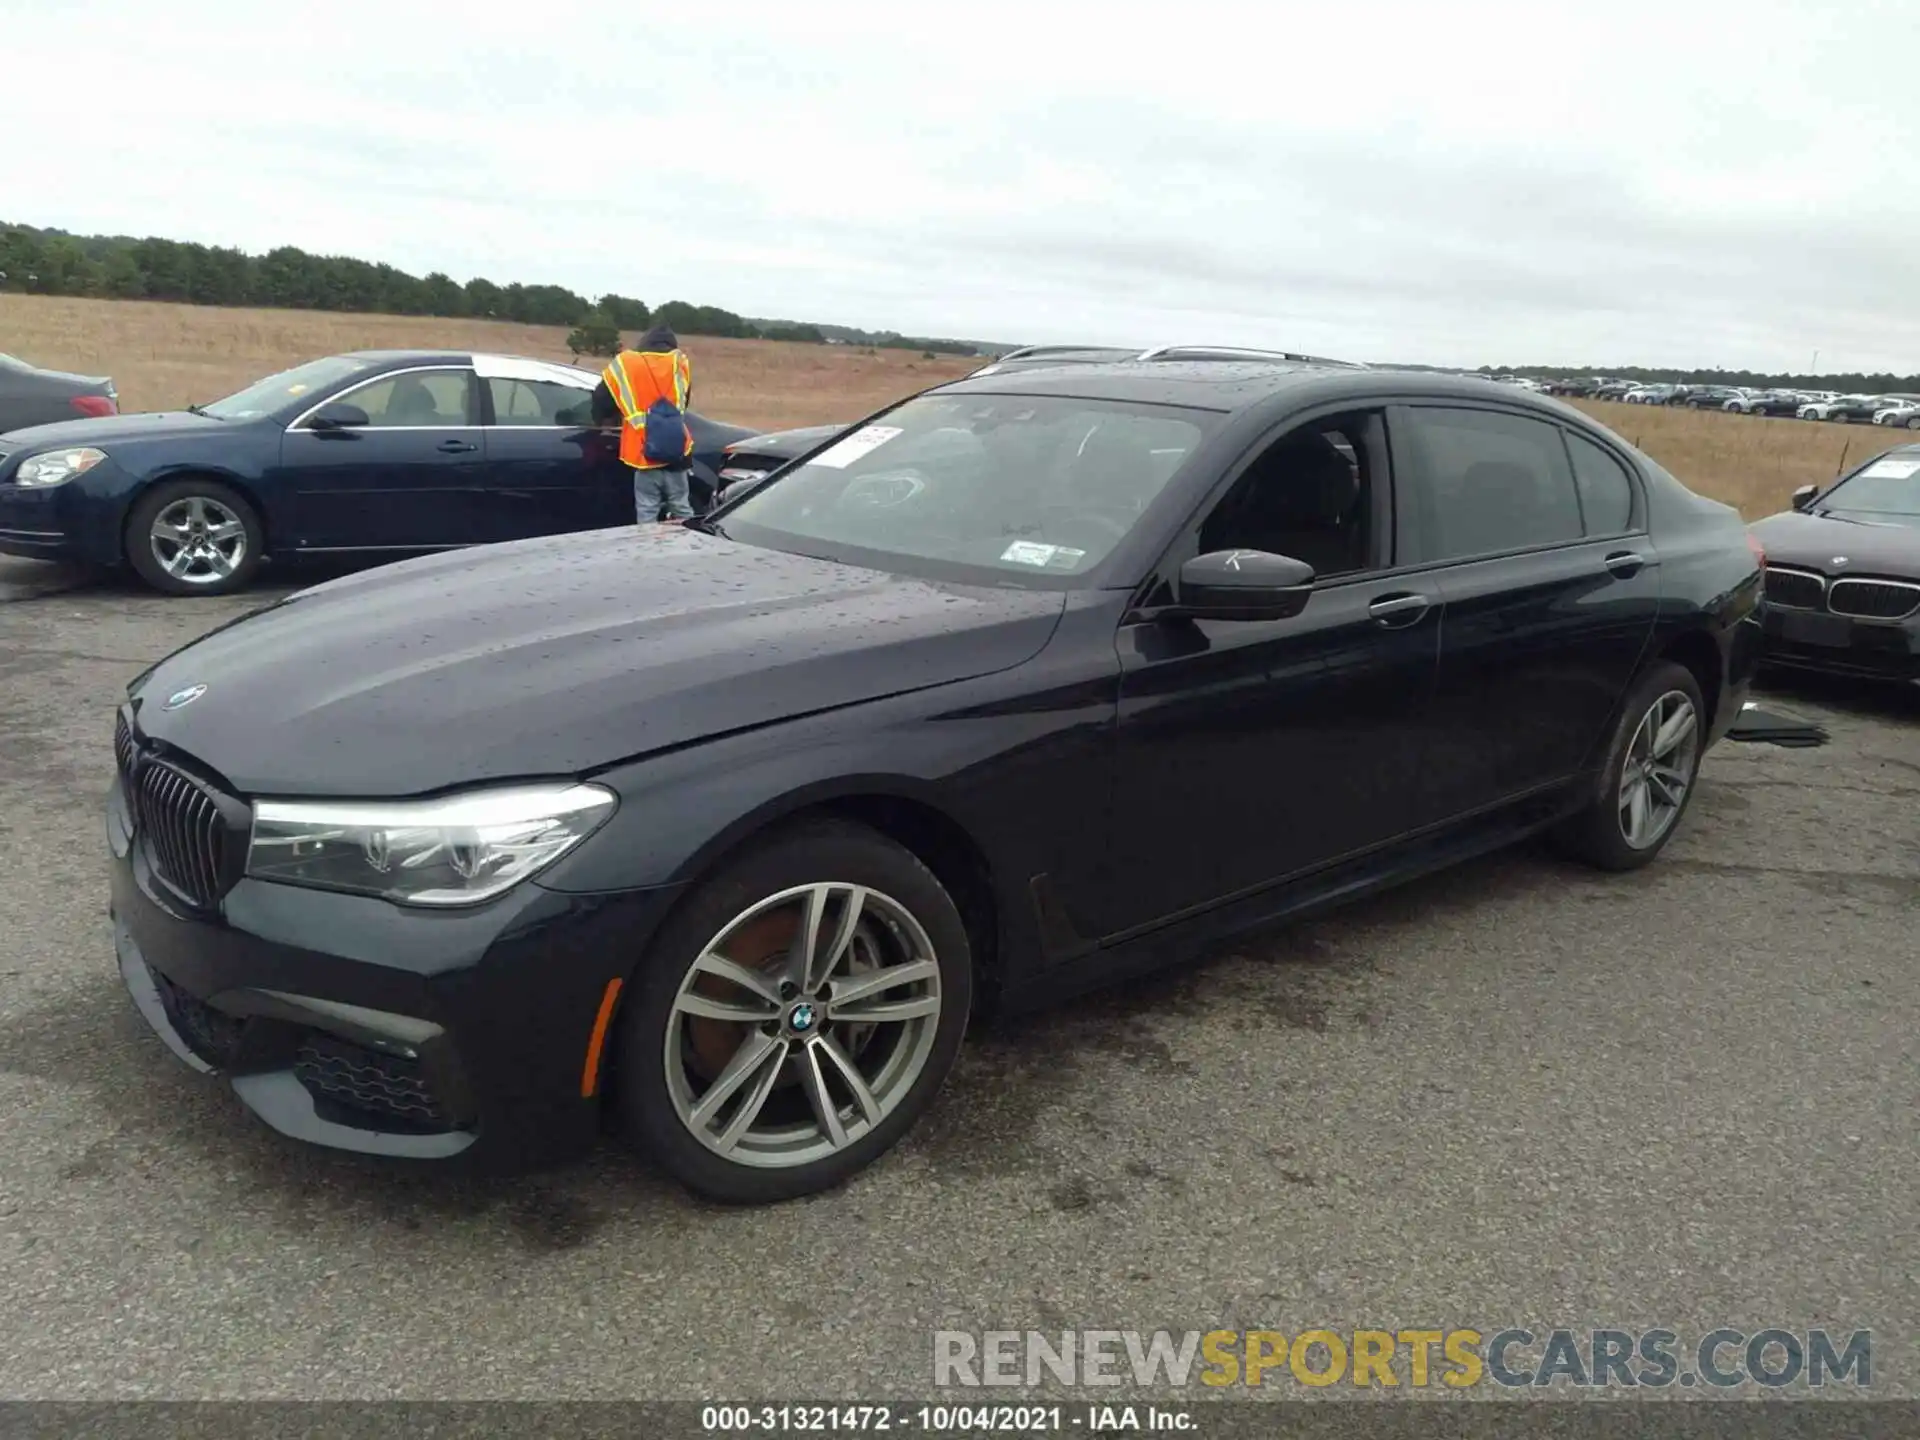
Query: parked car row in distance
{"points": [[1899, 409]]}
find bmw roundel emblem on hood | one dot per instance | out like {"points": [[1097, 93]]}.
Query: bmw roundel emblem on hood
{"points": [[184, 697]]}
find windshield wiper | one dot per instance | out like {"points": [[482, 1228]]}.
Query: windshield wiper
{"points": [[196, 408], [705, 526]]}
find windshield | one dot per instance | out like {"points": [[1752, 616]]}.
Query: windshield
{"points": [[304, 382], [1889, 486], [1040, 487]]}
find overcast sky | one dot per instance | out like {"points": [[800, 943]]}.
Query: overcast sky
{"points": [[1690, 183]]}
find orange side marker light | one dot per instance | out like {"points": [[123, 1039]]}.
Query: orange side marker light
{"points": [[590, 1073]]}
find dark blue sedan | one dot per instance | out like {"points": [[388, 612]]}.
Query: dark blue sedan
{"points": [[377, 452]]}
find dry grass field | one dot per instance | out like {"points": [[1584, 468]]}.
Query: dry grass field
{"points": [[165, 356], [1752, 462]]}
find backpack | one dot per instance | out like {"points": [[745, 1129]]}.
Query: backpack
{"points": [[666, 442]]}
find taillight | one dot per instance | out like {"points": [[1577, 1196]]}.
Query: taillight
{"points": [[94, 405]]}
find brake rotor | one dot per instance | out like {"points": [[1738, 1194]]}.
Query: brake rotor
{"points": [[762, 945]]}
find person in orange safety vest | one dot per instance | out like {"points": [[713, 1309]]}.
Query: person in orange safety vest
{"points": [[646, 392]]}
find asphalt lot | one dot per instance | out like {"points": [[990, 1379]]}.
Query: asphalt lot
{"points": [[1522, 1093]]}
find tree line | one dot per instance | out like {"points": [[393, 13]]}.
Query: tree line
{"points": [[52, 262]]}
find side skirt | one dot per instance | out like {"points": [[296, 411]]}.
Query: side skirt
{"points": [[1190, 937]]}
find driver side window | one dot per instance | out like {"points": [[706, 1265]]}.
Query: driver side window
{"points": [[1309, 495]]}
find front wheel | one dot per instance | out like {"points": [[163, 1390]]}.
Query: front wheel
{"points": [[795, 1017], [1649, 776], [194, 537]]}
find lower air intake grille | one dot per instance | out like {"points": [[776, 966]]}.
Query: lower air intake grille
{"points": [[388, 1086], [1874, 599], [209, 1033]]}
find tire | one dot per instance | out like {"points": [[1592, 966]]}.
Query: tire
{"points": [[219, 560], [673, 1047], [1693, 405], [1838, 419], [1599, 834], [1913, 422]]}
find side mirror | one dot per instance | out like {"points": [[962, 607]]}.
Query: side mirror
{"points": [[338, 416], [1243, 585], [1805, 496]]}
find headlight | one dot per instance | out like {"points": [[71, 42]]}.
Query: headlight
{"points": [[457, 850], [57, 466]]}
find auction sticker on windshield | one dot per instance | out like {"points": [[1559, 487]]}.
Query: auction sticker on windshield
{"points": [[1032, 552], [1890, 470], [862, 442]]}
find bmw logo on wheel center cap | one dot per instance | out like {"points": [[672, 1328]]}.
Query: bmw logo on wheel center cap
{"points": [[800, 1019]]}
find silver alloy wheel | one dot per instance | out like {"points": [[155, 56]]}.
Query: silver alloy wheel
{"points": [[1657, 769], [198, 541], [825, 1037]]}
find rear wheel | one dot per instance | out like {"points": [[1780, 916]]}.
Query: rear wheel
{"points": [[194, 537], [795, 1017], [1913, 422], [1648, 779]]}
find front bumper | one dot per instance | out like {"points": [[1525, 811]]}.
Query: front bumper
{"points": [[36, 523], [361, 1025], [80, 520], [1841, 645]]}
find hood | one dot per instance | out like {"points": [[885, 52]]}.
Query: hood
{"points": [[105, 429], [558, 656], [788, 443], [1871, 545]]}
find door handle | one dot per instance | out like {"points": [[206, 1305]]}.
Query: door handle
{"points": [[1396, 611], [456, 447], [1626, 563]]}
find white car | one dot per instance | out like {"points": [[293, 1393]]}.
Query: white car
{"points": [[1823, 407], [1905, 414]]}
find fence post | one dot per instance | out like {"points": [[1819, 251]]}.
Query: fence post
{"points": [[1843, 456]]}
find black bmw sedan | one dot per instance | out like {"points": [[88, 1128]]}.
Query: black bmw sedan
{"points": [[377, 453], [1843, 573], [1031, 682]]}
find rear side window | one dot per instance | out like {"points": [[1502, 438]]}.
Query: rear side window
{"points": [[538, 403], [1489, 482], [1606, 494]]}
